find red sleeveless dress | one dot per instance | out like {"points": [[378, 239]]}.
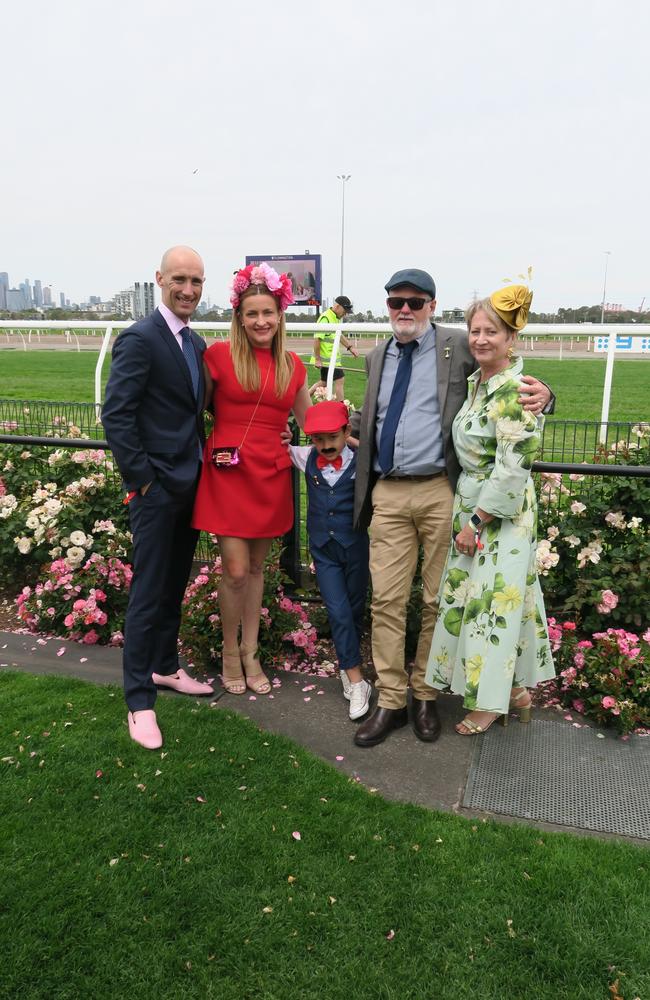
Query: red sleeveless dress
{"points": [[252, 499]]}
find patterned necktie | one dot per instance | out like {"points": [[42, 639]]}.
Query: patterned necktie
{"points": [[322, 462], [395, 404], [190, 357]]}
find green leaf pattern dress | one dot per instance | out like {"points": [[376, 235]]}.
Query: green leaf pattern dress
{"points": [[491, 631]]}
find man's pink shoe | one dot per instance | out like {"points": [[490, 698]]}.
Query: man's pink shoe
{"points": [[182, 682], [143, 729]]}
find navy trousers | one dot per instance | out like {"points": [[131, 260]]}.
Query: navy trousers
{"points": [[163, 549], [342, 574]]}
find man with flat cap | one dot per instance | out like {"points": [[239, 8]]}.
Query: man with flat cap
{"points": [[406, 476], [324, 345]]}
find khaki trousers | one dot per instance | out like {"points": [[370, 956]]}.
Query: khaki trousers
{"points": [[406, 515]]}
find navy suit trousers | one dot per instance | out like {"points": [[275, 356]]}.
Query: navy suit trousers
{"points": [[163, 549], [342, 574]]}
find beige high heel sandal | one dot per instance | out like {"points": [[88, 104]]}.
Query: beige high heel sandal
{"points": [[474, 729], [233, 679], [257, 681], [523, 709]]}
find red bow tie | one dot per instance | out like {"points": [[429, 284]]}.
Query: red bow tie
{"points": [[322, 461]]}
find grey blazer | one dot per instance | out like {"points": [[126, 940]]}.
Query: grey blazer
{"points": [[455, 364]]}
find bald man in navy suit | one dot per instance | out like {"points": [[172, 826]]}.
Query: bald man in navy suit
{"points": [[153, 419]]}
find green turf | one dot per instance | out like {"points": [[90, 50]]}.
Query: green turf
{"points": [[129, 885], [578, 385]]}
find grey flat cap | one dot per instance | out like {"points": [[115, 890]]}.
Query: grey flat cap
{"points": [[415, 278]]}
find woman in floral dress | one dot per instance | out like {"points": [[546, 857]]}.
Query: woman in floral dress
{"points": [[491, 642]]}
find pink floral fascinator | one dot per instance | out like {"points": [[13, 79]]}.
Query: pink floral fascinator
{"points": [[278, 285]]}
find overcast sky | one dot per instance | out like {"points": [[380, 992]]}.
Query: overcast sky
{"points": [[481, 137]]}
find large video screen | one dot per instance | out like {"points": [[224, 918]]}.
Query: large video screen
{"points": [[303, 270]]}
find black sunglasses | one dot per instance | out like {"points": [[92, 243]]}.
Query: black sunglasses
{"points": [[414, 304]]}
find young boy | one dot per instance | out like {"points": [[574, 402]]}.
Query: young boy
{"points": [[339, 552]]}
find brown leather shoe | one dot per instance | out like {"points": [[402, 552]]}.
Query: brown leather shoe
{"points": [[425, 718], [375, 729]]}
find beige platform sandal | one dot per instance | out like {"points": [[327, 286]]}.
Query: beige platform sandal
{"points": [[256, 679], [231, 672]]}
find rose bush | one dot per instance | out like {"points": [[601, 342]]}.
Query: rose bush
{"points": [[85, 603], [594, 549], [606, 677], [58, 503]]}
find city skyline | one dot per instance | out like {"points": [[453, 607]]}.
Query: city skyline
{"points": [[138, 300]]}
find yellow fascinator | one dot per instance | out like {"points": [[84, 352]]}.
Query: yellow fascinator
{"points": [[511, 304]]}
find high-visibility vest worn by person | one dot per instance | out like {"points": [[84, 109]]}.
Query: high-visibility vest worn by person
{"points": [[326, 337]]}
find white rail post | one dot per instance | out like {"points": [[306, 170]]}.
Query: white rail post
{"points": [[333, 359], [98, 372], [607, 389]]}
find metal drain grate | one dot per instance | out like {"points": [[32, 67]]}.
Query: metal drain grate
{"points": [[557, 774]]}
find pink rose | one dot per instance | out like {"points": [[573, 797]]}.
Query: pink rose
{"points": [[569, 626], [578, 705], [646, 635], [90, 638], [68, 621], [608, 701], [608, 601]]}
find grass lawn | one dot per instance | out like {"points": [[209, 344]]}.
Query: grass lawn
{"points": [[175, 874], [578, 385]]}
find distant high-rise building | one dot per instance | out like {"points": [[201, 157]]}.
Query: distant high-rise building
{"points": [[4, 288], [125, 304], [62, 300], [38, 293], [47, 295], [143, 299], [94, 300], [16, 300], [26, 289]]}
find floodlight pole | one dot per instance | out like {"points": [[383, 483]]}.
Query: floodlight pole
{"points": [[343, 178], [602, 306]]}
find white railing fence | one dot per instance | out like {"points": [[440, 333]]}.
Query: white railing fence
{"points": [[612, 339]]}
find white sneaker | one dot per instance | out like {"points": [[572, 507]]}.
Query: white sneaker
{"points": [[359, 699], [345, 681]]}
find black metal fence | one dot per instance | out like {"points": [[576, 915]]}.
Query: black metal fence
{"points": [[569, 447]]}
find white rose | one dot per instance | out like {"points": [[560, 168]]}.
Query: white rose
{"points": [[78, 538], [23, 545], [53, 506], [32, 521], [553, 532], [8, 504], [75, 556], [635, 522]]}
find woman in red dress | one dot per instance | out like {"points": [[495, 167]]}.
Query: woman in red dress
{"points": [[244, 495]]}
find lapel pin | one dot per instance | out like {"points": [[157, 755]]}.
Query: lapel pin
{"points": [[447, 354]]}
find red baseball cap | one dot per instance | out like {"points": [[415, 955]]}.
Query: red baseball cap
{"points": [[326, 418]]}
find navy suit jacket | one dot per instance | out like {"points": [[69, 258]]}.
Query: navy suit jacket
{"points": [[152, 420]]}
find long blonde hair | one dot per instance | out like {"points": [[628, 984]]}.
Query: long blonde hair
{"points": [[243, 356]]}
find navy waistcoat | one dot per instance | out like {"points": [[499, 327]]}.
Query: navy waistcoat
{"points": [[330, 509]]}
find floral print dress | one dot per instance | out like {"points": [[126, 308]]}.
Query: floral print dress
{"points": [[491, 631]]}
